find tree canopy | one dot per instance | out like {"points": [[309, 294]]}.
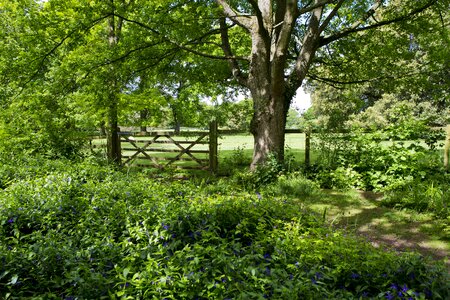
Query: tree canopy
{"points": [[71, 65]]}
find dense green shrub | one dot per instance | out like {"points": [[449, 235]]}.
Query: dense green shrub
{"points": [[88, 232], [294, 185], [363, 161]]}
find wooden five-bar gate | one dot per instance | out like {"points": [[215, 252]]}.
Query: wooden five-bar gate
{"points": [[166, 149]]}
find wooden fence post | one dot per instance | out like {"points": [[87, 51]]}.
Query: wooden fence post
{"points": [[307, 147], [213, 145]]}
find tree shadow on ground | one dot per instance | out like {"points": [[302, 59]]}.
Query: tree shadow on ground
{"points": [[400, 230]]}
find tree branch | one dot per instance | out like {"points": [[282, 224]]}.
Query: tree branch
{"points": [[316, 4], [331, 15], [228, 52], [338, 83], [59, 44], [245, 22], [354, 28], [185, 45]]}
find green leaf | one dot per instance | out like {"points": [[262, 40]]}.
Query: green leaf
{"points": [[13, 280], [125, 272]]}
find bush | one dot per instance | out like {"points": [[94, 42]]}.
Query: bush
{"points": [[88, 232], [363, 162], [293, 185]]}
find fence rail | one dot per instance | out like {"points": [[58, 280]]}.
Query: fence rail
{"points": [[198, 151], [152, 147]]}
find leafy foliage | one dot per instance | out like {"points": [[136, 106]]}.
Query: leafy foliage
{"points": [[368, 162], [84, 231]]}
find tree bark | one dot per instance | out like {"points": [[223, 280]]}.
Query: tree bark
{"points": [[271, 90], [143, 115], [113, 139]]}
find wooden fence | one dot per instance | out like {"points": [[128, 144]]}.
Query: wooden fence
{"points": [[165, 149]]}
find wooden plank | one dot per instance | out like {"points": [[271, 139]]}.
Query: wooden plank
{"points": [[167, 158], [165, 142], [162, 133], [161, 150], [187, 150], [293, 131], [174, 167]]}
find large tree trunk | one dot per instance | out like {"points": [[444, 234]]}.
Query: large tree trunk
{"points": [[268, 129], [270, 80], [113, 140]]}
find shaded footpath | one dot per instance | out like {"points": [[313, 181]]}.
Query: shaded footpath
{"points": [[399, 230]]}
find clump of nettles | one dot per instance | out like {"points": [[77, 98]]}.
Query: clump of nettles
{"points": [[88, 232]]}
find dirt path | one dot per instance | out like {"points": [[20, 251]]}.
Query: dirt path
{"points": [[399, 229]]}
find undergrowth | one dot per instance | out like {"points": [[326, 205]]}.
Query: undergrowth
{"points": [[82, 231]]}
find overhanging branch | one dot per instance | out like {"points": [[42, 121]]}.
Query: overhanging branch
{"points": [[185, 46], [355, 27]]}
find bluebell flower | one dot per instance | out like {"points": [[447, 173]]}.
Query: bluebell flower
{"points": [[354, 276], [258, 195], [394, 286], [11, 220], [267, 271], [389, 296], [165, 226], [405, 288], [267, 256]]}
